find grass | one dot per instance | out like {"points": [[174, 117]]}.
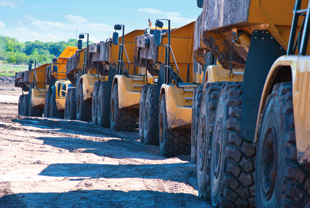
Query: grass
{"points": [[10, 70]]}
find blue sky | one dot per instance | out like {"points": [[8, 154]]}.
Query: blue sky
{"points": [[55, 20]]}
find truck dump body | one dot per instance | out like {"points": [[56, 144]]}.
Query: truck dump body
{"points": [[181, 39], [25, 78], [74, 64], [221, 18]]}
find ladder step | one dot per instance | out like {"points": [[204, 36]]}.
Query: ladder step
{"points": [[301, 11], [188, 98], [189, 90], [137, 79], [136, 86]]}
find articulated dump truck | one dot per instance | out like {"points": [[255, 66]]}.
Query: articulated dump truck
{"points": [[32, 81], [166, 106], [57, 84], [83, 71], [252, 139]]}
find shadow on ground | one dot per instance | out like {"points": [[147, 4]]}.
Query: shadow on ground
{"points": [[102, 198]]}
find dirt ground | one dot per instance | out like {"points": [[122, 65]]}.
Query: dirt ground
{"points": [[59, 163]]}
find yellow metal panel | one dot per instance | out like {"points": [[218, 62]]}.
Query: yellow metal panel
{"points": [[128, 95], [178, 115], [88, 84], [60, 103], [300, 69], [37, 98], [216, 73]]}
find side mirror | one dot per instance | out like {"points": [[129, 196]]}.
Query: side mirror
{"points": [[81, 36], [157, 37], [80, 44], [199, 3], [30, 66], [159, 24], [55, 68], [115, 38], [54, 60], [117, 27]]}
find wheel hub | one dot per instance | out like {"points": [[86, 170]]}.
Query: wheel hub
{"points": [[269, 163]]}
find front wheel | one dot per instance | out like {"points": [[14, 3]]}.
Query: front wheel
{"points": [[151, 134], [83, 107], [121, 119], [172, 142], [280, 180], [95, 103], [232, 156]]}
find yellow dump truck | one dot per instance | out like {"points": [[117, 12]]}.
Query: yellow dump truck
{"points": [[33, 82], [252, 144], [82, 72], [57, 84]]}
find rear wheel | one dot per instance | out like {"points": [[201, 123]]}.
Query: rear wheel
{"points": [[121, 119], [233, 157], [151, 130], [172, 142], [197, 97], [34, 111], [104, 104], [70, 107], [95, 103], [20, 103], [25, 106], [83, 108], [280, 180], [203, 137], [142, 112], [47, 103], [54, 112]]}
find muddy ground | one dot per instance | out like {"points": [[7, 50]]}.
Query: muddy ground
{"points": [[59, 163]]}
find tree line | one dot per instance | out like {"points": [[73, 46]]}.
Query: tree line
{"points": [[14, 52]]}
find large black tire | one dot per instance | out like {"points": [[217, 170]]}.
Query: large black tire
{"points": [[142, 112], [70, 106], [104, 104], [67, 104], [54, 112], [151, 130], [197, 97], [34, 111], [94, 104], [204, 137], [46, 111], [233, 157], [280, 180], [25, 106], [121, 119], [20, 103], [83, 108], [172, 142]]}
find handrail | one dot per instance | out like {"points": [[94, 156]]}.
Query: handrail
{"points": [[126, 56], [176, 65]]}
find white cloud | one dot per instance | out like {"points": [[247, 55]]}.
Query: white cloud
{"points": [[10, 3], [150, 11], [2, 25], [48, 24], [46, 30], [75, 19], [175, 17]]}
